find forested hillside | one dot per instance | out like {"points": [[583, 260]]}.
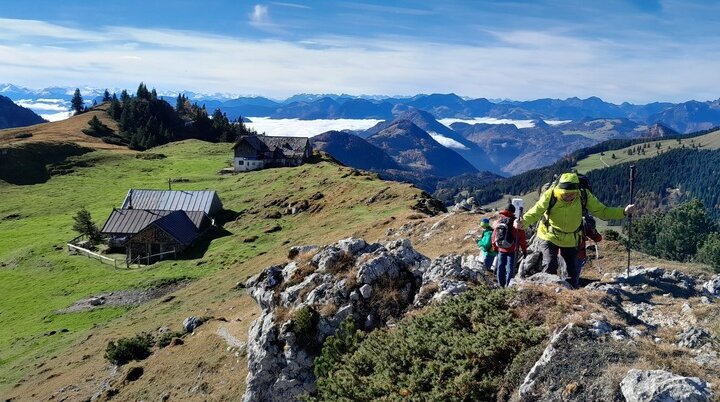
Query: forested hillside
{"points": [[674, 175], [147, 121]]}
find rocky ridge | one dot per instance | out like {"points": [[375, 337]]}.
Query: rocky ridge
{"points": [[638, 337]]}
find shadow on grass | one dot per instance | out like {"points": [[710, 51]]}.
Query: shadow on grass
{"points": [[225, 216], [199, 249]]}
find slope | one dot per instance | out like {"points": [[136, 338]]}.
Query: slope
{"points": [[353, 151], [653, 148], [44, 349], [12, 115], [415, 149], [69, 130], [448, 137]]}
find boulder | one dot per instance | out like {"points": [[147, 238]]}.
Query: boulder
{"points": [[663, 386], [712, 287], [192, 322], [693, 338], [366, 291], [541, 278]]}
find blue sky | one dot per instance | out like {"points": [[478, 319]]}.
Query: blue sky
{"points": [[635, 51]]}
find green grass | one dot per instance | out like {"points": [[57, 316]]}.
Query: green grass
{"points": [[592, 162], [38, 277]]}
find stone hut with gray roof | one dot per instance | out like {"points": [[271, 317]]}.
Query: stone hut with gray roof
{"points": [[156, 224], [254, 152]]}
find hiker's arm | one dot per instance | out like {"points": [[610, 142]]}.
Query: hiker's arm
{"points": [[599, 210], [523, 242], [534, 213]]}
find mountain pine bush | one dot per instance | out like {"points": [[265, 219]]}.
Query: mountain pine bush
{"points": [[458, 350], [677, 234], [709, 253]]}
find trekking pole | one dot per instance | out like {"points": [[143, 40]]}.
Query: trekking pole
{"points": [[632, 188], [517, 241]]}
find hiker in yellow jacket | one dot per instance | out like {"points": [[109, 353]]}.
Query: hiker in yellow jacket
{"points": [[561, 229]]}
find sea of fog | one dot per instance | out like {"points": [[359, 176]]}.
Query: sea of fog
{"points": [[309, 128]]}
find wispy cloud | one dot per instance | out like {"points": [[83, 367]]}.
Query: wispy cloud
{"points": [[387, 9], [260, 15], [260, 19], [291, 5], [517, 64]]}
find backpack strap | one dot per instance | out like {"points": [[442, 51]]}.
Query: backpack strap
{"points": [[553, 200]]}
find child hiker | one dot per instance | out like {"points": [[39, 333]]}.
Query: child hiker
{"points": [[506, 238], [486, 244]]}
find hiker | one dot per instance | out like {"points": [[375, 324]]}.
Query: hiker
{"points": [[506, 237], [486, 244], [589, 232], [561, 209]]}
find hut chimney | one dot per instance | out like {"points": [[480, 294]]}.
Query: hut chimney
{"points": [[130, 200]]}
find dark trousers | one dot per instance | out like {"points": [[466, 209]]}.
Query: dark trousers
{"points": [[506, 265], [550, 260]]}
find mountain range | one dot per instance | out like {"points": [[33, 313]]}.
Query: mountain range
{"points": [[682, 117]]}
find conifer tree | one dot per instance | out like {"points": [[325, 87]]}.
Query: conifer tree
{"points": [[77, 103], [85, 225], [106, 96], [142, 92]]}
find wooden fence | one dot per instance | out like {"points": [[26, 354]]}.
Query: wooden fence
{"points": [[91, 254]]}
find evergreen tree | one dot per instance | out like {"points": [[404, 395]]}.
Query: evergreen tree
{"points": [[124, 97], [115, 109], [85, 225], [142, 92], [709, 253], [106, 96], [180, 104], [77, 103]]}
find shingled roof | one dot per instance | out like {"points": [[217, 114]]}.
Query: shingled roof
{"points": [[173, 200], [290, 147]]}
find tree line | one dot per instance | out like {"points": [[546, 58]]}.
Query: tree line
{"points": [[147, 120]]}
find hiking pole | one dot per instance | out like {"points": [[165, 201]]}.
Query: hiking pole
{"points": [[632, 188], [517, 242]]}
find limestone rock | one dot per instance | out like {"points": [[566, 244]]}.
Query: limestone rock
{"points": [[191, 323], [662, 386], [541, 278]]}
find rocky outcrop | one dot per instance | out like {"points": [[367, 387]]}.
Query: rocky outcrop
{"points": [[661, 386], [305, 302], [649, 306]]}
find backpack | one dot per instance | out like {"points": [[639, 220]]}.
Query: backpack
{"points": [[504, 237], [584, 188], [485, 242]]}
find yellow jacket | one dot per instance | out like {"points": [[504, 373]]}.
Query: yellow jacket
{"points": [[565, 217]]}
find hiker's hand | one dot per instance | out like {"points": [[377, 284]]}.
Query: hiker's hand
{"points": [[629, 209], [519, 224]]}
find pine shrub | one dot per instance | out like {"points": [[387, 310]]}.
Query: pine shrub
{"points": [[125, 350], [458, 350]]}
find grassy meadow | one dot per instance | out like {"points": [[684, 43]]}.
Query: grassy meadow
{"points": [[38, 276], [595, 161]]}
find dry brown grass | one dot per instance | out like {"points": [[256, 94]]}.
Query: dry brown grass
{"points": [[327, 310], [543, 306], [69, 130]]}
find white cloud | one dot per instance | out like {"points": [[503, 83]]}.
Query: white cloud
{"points": [[260, 15], [306, 128], [489, 120], [518, 65], [55, 105], [56, 116], [446, 142]]}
